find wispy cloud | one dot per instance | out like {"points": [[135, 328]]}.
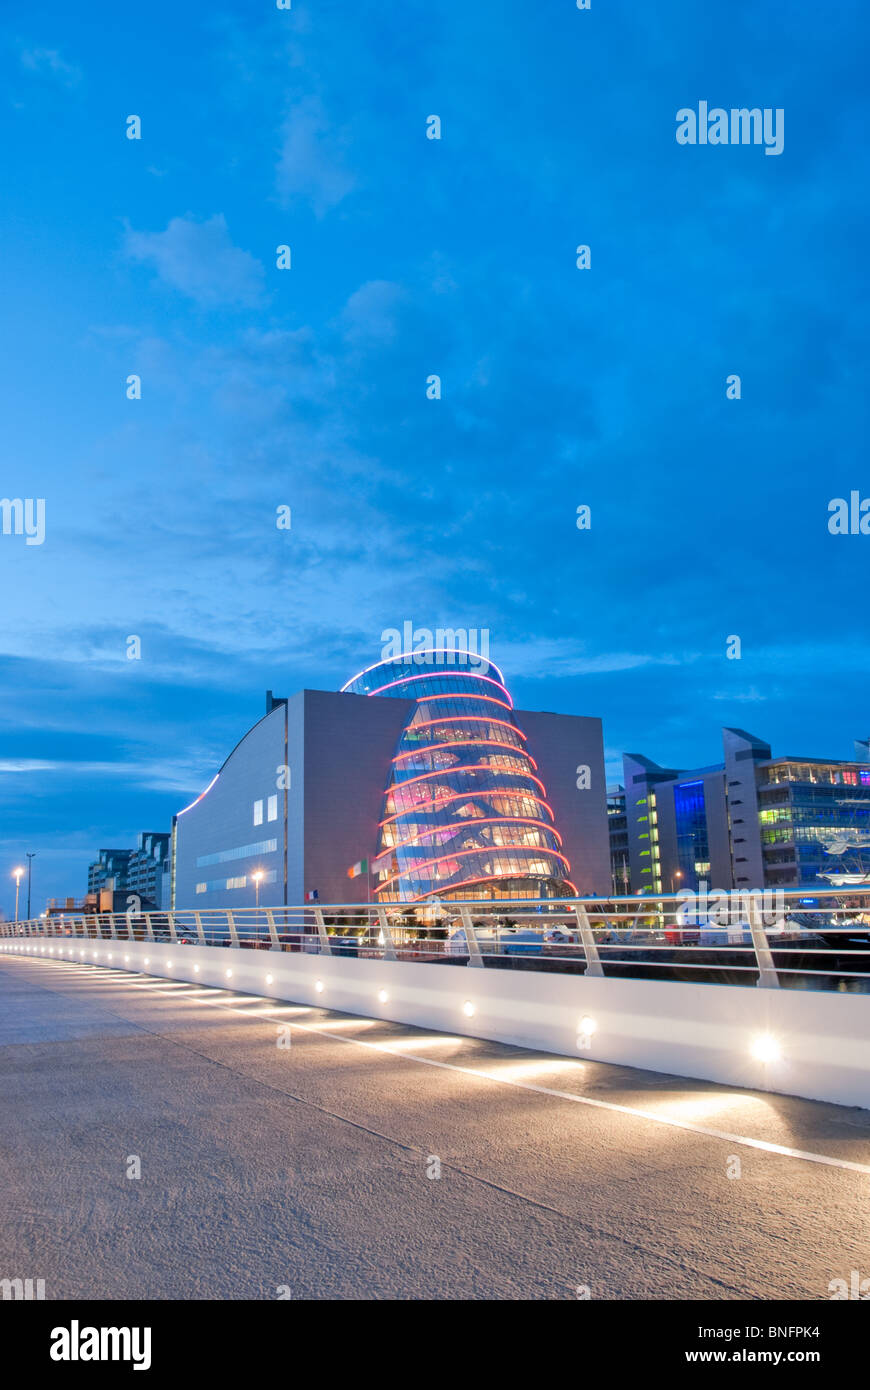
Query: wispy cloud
{"points": [[48, 62], [158, 775], [311, 162], [200, 260]]}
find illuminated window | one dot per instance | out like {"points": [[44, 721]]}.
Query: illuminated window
{"points": [[258, 813], [465, 811], [272, 808]]}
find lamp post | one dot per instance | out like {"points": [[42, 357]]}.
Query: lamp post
{"points": [[30, 858], [17, 874]]}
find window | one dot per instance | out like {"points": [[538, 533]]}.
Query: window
{"points": [[272, 808], [223, 856], [258, 813], [693, 851], [202, 888]]}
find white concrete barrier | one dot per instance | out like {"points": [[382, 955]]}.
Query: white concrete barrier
{"points": [[812, 1043]]}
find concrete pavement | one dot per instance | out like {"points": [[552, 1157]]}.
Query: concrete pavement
{"points": [[309, 1170]]}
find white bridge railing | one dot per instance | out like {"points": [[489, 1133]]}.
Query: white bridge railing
{"points": [[803, 938]]}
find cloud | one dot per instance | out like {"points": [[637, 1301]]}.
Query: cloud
{"points": [[199, 259], [746, 697], [47, 62], [544, 658], [370, 314], [159, 774], [310, 164]]}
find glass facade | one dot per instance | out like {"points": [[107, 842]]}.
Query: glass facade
{"points": [[617, 825], [465, 814], [814, 819], [693, 847]]}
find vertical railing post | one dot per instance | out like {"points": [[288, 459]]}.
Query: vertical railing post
{"points": [[149, 930], [173, 934], [386, 932], [767, 976], [323, 934], [231, 923], [200, 934], [273, 930], [475, 956], [590, 946], [113, 930]]}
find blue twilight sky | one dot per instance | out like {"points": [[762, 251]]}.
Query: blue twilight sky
{"points": [[306, 387]]}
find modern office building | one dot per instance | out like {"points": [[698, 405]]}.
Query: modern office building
{"points": [[140, 871], [420, 777], [617, 826], [751, 821]]}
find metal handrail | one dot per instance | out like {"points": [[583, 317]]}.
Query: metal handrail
{"points": [[588, 935]]}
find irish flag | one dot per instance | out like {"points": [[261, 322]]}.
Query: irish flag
{"points": [[362, 867]]}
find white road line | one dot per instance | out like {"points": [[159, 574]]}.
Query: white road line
{"points": [[761, 1144]]}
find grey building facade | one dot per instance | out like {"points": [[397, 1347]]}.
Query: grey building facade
{"points": [[300, 799]]}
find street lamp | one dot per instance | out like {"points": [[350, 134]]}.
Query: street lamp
{"points": [[17, 874], [30, 858]]}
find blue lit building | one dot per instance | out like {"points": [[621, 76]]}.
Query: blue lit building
{"points": [[751, 821]]}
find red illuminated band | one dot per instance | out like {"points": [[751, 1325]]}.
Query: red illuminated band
{"points": [[397, 661], [429, 807], [460, 827], [463, 719], [490, 878], [463, 695], [470, 767], [465, 743], [491, 850], [435, 675]]}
